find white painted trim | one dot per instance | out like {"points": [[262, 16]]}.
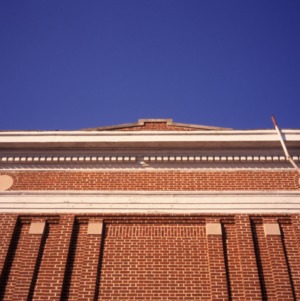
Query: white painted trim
{"points": [[146, 192], [174, 162], [70, 159], [144, 136], [130, 159], [149, 202], [268, 167]]}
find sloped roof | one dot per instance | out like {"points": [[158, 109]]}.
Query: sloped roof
{"points": [[157, 125]]}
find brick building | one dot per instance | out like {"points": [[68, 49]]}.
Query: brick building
{"points": [[154, 210]]}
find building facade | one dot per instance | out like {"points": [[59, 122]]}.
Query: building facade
{"points": [[153, 210]]}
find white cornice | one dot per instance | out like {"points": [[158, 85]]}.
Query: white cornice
{"points": [[152, 132], [103, 137], [291, 133], [133, 202]]}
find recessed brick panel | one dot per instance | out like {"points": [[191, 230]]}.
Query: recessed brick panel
{"points": [[155, 262]]}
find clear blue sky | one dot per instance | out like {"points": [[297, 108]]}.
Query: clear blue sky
{"points": [[74, 64]]}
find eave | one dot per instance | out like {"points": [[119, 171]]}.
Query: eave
{"points": [[108, 139]]}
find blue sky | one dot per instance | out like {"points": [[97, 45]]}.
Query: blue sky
{"points": [[75, 64]]}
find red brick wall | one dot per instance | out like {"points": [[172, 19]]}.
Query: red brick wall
{"points": [[157, 262], [151, 258], [156, 180]]}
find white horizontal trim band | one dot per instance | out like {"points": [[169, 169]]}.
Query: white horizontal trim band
{"points": [[218, 159], [150, 202], [143, 136], [130, 159], [68, 159]]}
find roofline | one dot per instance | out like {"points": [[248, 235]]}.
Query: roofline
{"points": [[260, 138], [168, 121]]}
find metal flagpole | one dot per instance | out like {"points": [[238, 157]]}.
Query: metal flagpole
{"points": [[287, 155]]}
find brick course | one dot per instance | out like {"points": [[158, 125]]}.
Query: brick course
{"points": [[156, 180]]}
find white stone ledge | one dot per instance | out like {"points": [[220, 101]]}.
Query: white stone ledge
{"points": [[150, 202], [175, 193]]}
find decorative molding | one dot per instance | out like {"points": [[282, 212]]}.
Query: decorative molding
{"points": [[210, 158], [147, 159], [6, 181], [145, 202], [106, 139], [67, 159]]}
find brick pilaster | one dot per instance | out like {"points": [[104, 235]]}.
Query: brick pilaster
{"points": [[218, 280], [296, 227], [30, 248], [7, 227], [250, 278], [51, 275], [281, 280], [296, 255], [91, 260]]}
